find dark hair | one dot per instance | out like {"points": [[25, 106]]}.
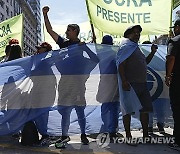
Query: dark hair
{"points": [[7, 49], [147, 42], [15, 52], [130, 29], [75, 27], [177, 23], [45, 45], [107, 39]]}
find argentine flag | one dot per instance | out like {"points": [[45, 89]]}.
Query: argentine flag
{"points": [[81, 75]]}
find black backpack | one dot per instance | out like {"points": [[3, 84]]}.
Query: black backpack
{"points": [[29, 134]]}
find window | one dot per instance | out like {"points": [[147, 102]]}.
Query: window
{"points": [[1, 3], [7, 10], [11, 2], [2, 17]]}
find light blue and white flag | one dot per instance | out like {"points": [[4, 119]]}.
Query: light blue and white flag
{"points": [[129, 102], [83, 75]]}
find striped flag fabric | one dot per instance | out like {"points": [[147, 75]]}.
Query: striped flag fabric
{"points": [[80, 75]]}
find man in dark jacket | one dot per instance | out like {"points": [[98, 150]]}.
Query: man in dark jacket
{"points": [[173, 82]]}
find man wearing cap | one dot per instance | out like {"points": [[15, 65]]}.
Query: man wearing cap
{"points": [[43, 47], [132, 72], [172, 80], [41, 88], [13, 41], [72, 33]]}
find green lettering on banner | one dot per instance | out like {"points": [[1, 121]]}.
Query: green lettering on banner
{"points": [[134, 1], [104, 13], [2, 30], [3, 43], [131, 18], [145, 1], [82, 37], [116, 15], [147, 18], [5, 30], [85, 36], [89, 35], [120, 4], [98, 10], [8, 29], [108, 1], [138, 16], [123, 18], [110, 15]]}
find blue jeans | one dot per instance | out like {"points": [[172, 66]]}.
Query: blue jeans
{"points": [[65, 111], [42, 122], [159, 108], [110, 115]]}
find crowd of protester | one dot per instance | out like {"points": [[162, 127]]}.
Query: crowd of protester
{"points": [[131, 77]]}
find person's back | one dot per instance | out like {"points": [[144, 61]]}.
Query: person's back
{"points": [[15, 52], [14, 44], [108, 86]]}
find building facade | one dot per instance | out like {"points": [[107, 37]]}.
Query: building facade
{"points": [[35, 5], [32, 21]]}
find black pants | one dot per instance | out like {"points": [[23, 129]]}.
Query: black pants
{"points": [[174, 92]]}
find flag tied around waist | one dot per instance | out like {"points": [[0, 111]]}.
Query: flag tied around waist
{"points": [[80, 75]]}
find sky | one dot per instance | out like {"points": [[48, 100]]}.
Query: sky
{"points": [[69, 11], [66, 11]]}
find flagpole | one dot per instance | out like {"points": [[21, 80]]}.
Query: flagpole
{"points": [[92, 26], [93, 33], [22, 37], [43, 33], [170, 32]]}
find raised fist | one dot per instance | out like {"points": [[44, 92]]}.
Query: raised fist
{"points": [[45, 9]]}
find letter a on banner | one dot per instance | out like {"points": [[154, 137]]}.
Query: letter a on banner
{"points": [[114, 16], [11, 28]]}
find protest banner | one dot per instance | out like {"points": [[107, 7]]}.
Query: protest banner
{"points": [[114, 16], [11, 28]]}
